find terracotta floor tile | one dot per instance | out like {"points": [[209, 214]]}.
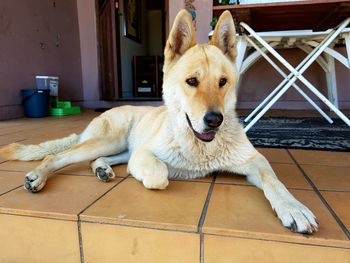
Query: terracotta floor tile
{"points": [[85, 169], [178, 207], [18, 166], [74, 169], [112, 243], [245, 212], [218, 249], [29, 239], [340, 203], [322, 157], [2, 160], [329, 177], [10, 180], [276, 155], [206, 179], [63, 197], [289, 174], [10, 138]]}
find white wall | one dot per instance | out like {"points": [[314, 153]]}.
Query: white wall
{"points": [[204, 16], [88, 49]]}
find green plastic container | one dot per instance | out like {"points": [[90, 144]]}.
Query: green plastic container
{"points": [[64, 108]]}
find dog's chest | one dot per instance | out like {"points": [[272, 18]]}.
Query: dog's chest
{"points": [[195, 161]]}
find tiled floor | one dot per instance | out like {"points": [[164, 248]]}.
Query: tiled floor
{"points": [[220, 218]]}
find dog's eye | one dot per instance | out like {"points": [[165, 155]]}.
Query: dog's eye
{"points": [[222, 82], [193, 82]]}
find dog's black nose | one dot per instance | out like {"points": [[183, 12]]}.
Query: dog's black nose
{"points": [[213, 119]]}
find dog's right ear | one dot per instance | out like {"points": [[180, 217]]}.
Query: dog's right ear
{"points": [[181, 37]]}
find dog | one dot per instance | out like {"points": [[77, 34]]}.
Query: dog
{"points": [[195, 133]]}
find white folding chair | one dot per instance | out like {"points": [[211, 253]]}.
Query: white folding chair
{"points": [[314, 44]]}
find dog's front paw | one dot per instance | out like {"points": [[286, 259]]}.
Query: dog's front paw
{"points": [[297, 217], [104, 173], [34, 182], [155, 182]]}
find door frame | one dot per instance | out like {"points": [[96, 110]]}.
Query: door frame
{"points": [[116, 48]]}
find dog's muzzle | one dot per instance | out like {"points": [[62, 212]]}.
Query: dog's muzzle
{"points": [[206, 136]]}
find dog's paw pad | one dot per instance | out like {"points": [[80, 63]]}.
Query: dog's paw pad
{"points": [[33, 182], [104, 174]]}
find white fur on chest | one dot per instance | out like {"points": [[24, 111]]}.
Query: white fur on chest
{"points": [[192, 158]]}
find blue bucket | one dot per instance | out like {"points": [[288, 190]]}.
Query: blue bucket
{"points": [[35, 102]]}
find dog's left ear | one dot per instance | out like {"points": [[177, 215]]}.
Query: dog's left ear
{"points": [[224, 36], [181, 37]]}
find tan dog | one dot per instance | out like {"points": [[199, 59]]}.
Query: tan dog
{"points": [[194, 134]]}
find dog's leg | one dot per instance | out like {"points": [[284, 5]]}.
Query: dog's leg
{"points": [[86, 151], [145, 167], [293, 214], [101, 167]]}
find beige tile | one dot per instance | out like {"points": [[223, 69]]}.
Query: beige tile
{"points": [[340, 203], [322, 157], [219, 249], [178, 207], [63, 197], [112, 243], [244, 212], [329, 177], [10, 180], [276, 155], [289, 174], [29, 239]]}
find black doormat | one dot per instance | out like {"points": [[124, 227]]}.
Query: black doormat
{"points": [[301, 133]]}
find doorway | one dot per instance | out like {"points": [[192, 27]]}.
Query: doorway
{"points": [[109, 49], [118, 50]]}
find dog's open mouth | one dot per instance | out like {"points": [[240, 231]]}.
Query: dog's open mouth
{"points": [[205, 136]]}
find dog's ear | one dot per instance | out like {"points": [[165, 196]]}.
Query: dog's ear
{"points": [[181, 37], [224, 36]]}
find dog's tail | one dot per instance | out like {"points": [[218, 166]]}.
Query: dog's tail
{"points": [[30, 152]]}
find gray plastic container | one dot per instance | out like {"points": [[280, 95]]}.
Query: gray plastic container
{"points": [[48, 82]]}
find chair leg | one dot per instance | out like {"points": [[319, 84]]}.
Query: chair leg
{"points": [[332, 82], [299, 70], [241, 50], [286, 78]]}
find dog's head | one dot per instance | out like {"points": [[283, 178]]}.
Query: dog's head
{"points": [[200, 79]]}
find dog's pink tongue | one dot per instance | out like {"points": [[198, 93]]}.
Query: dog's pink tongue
{"points": [[207, 136]]}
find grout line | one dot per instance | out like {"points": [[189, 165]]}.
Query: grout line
{"points": [[201, 248], [122, 180], [10, 190], [277, 241], [149, 227], [37, 216], [202, 218], [335, 190], [80, 236], [250, 185], [335, 216], [206, 204]]}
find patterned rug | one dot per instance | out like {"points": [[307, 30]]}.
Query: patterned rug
{"points": [[301, 133]]}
